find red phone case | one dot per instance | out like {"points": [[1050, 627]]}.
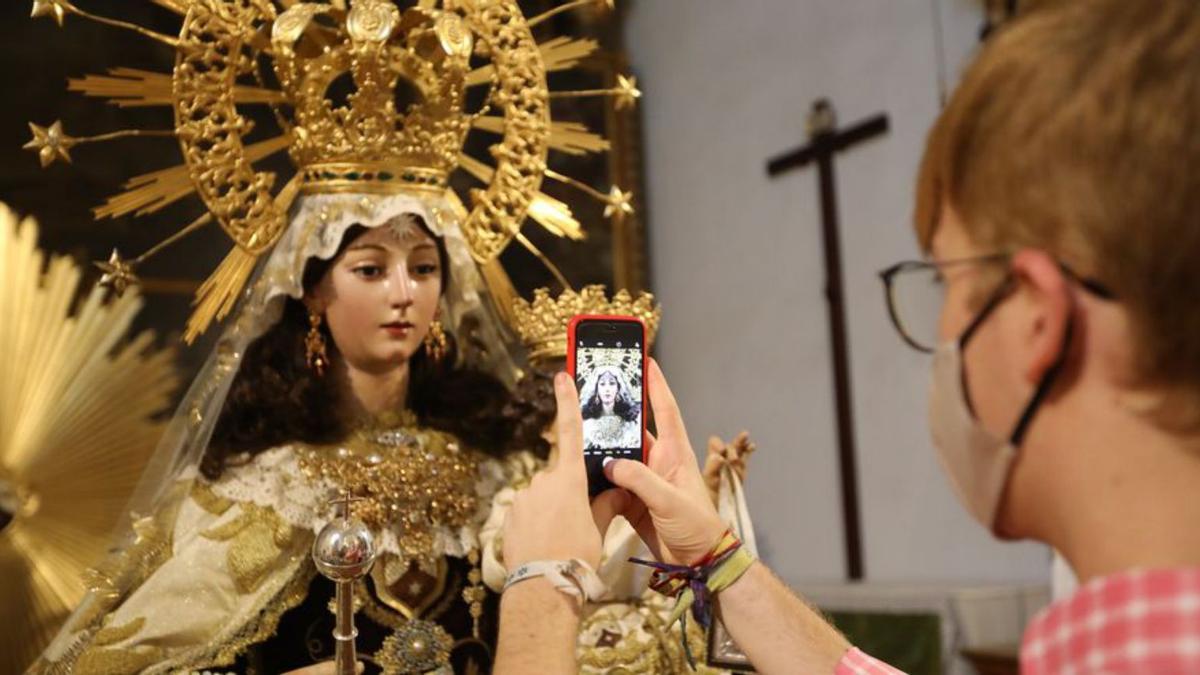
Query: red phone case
{"points": [[580, 318]]}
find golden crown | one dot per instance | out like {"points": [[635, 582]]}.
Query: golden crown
{"points": [[542, 322], [369, 145], [366, 145]]}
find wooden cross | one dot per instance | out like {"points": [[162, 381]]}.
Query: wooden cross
{"points": [[825, 142]]}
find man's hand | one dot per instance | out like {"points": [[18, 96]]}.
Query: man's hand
{"points": [[551, 519], [670, 507]]}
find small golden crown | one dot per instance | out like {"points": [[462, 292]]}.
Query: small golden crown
{"points": [[542, 323], [369, 146]]}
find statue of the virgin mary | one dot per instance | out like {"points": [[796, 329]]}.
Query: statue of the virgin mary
{"points": [[365, 349]]}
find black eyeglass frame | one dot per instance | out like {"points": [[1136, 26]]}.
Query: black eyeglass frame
{"points": [[888, 275]]}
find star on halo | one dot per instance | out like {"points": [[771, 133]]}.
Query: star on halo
{"points": [[620, 203], [118, 274], [54, 8], [626, 92], [51, 143]]}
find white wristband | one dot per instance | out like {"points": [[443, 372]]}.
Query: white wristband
{"points": [[573, 577]]}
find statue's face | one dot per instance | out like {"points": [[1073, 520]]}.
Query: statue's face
{"points": [[380, 295], [606, 388]]}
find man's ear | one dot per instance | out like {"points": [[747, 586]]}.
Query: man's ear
{"points": [[1046, 296]]}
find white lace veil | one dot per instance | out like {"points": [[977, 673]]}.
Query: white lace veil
{"points": [[316, 227]]}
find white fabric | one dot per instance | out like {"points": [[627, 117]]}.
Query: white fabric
{"points": [[976, 462], [731, 505], [1063, 582], [573, 577]]}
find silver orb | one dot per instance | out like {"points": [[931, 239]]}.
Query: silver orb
{"points": [[344, 549]]}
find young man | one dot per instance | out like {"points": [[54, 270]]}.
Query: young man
{"points": [[1058, 201]]}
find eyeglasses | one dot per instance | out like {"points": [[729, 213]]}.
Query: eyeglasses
{"points": [[915, 291]]}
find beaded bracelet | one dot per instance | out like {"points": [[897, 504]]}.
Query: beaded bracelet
{"points": [[694, 585]]}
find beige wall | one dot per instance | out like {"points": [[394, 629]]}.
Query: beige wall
{"points": [[736, 260]]}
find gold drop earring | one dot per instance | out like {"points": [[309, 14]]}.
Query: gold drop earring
{"points": [[435, 342], [314, 345]]}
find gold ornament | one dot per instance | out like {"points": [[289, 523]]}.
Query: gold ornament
{"points": [[418, 646], [435, 342], [77, 409], [366, 145], [474, 594], [627, 92], [118, 274], [410, 480], [542, 322], [620, 203], [54, 8], [50, 143], [314, 345]]}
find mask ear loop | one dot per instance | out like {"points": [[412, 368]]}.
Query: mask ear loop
{"points": [[1048, 379], [992, 303], [1044, 386], [989, 306]]}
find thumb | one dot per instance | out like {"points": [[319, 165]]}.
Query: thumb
{"points": [[639, 479]]}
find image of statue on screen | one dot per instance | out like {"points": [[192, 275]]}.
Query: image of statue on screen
{"points": [[611, 405]]}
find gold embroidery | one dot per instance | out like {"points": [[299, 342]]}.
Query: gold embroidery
{"points": [[263, 626], [110, 581], [417, 646], [410, 479], [208, 500], [117, 661], [646, 645], [110, 635], [257, 538]]}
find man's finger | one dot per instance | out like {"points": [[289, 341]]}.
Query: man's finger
{"points": [[648, 441], [607, 506], [666, 410], [569, 423], [640, 480]]}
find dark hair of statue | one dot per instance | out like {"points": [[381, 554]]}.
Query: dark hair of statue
{"points": [[277, 399], [623, 406]]}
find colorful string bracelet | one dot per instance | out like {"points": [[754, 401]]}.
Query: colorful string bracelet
{"points": [[693, 586]]}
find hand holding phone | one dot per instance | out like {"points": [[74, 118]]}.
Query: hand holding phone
{"points": [[607, 359]]}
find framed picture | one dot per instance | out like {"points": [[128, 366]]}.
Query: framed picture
{"points": [[723, 652]]}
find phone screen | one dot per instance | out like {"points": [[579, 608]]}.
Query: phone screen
{"points": [[608, 375]]}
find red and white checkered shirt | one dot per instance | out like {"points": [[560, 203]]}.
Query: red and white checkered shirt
{"points": [[1143, 621]]}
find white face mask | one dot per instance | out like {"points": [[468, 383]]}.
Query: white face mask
{"points": [[976, 462]]}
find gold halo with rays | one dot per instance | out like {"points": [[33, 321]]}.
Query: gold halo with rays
{"points": [[221, 47], [76, 428]]}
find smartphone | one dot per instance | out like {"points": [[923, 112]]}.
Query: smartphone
{"points": [[606, 355]]}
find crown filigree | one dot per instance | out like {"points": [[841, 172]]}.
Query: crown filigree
{"points": [[369, 145], [542, 322], [438, 49]]}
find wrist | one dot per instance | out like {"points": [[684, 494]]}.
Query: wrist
{"points": [[540, 595], [715, 534]]}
